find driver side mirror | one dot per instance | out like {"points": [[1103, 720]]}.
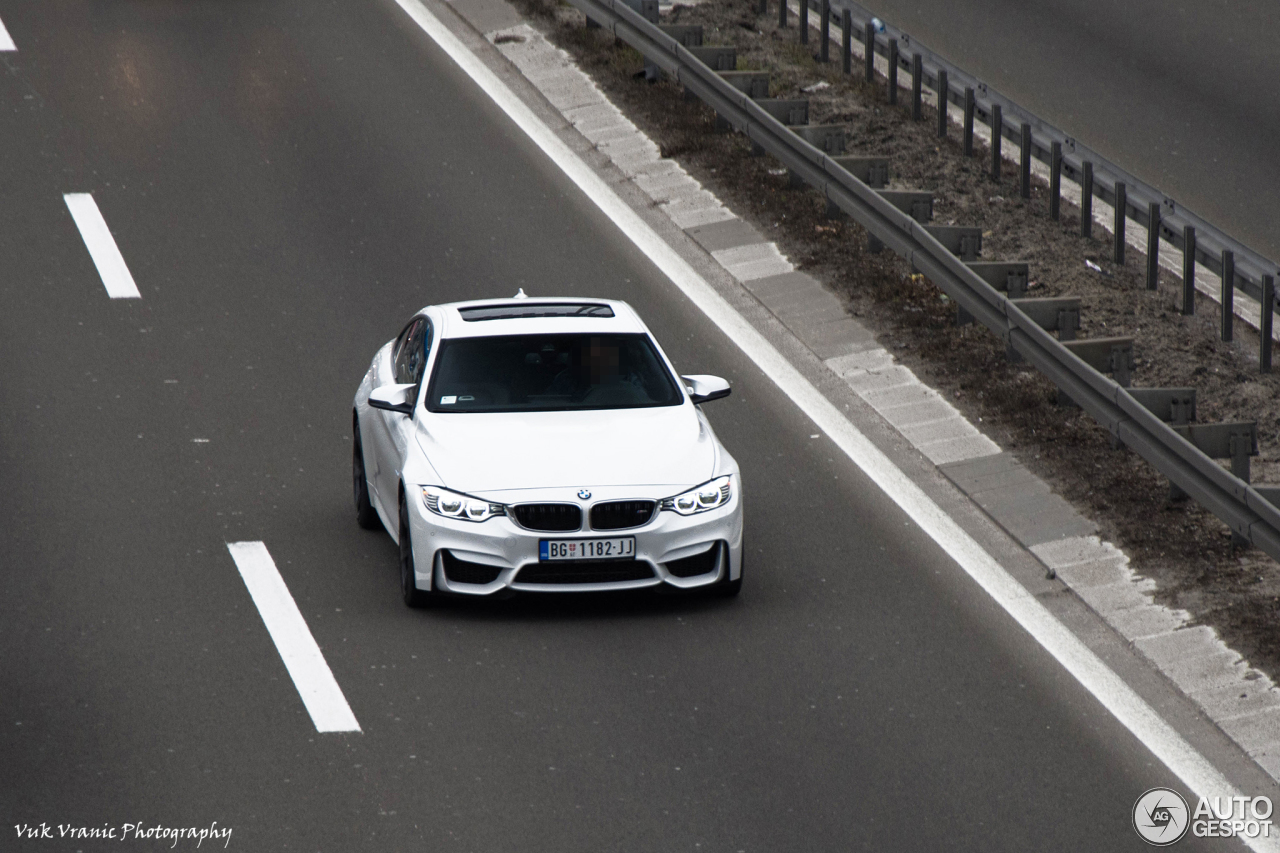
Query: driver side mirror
{"points": [[393, 398], [704, 389]]}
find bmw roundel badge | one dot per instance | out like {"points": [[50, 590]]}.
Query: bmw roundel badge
{"points": [[584, 494]]}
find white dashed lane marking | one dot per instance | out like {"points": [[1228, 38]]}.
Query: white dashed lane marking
{"points": [[302, 658], [115, 274], [6, 41]]}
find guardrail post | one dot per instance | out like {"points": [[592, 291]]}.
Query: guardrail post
{"points": [[826, 31], [893, 72], [917, 87], [1086, 199], [1026, 160], [1264, 323], [918, 204], [969, 107], [997, 126], [1228, 292], [1174, 406], [944, 97], [804, 21], [1106, 355], [782, 14], [1241, 443], [1059, 314], [1118, 229], [1068, 324], [1235, 441], [762, 8], [869, 51], [1153, 245], [846, 41], [1182, 411], [1055, 181], [1122, 365], [1009, 276], [689, 35], [1188, 270], [647, 9], [872, 171], [823, 52], [963, 241], [1016, 284]]}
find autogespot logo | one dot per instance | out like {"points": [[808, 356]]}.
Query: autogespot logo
{"points": [[1160, 816]]}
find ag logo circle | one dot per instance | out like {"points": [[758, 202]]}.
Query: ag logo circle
{"points": [[1160, 816]]}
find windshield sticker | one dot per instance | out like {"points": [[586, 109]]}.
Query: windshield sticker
{"points": [[449, 400]]}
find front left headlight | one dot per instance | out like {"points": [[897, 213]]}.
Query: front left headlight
{"points": [[711, 494], [462, 507]]}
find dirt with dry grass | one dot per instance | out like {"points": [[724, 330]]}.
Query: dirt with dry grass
{"points": [[1182, 547]]}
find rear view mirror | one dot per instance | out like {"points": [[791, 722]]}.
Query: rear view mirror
{"points": [[393, 398], [704, 389]]}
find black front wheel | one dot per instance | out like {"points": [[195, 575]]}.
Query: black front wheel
{"points": [[413, 596], [366, 515]]}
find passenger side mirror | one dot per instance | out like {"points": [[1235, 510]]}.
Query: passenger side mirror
{"points": [[704, 389], [393, 398]]}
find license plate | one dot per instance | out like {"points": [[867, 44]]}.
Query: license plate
{"points": [[587, 549]]}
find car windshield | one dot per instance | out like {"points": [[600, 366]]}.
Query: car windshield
{"points": [[543, 373]]}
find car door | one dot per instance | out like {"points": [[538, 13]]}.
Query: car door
{"points": [[395, 430]]}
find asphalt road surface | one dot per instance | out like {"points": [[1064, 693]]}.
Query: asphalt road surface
{"points": [[1183, 95], [288, 181]]}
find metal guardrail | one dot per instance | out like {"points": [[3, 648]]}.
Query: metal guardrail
{"points": [[1209, 241], [1230, 498]]}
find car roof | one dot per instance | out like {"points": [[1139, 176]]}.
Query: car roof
{"points": [[453, 325]]}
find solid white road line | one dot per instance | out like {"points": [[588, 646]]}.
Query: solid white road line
{"points": [[102, 246], [1096, 677], [6, 42], [311, 675]]}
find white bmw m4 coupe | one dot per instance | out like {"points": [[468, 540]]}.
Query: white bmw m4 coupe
{"points": [[543, 445]]}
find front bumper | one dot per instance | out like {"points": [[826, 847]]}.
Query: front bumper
{"points": [[488, 557]]}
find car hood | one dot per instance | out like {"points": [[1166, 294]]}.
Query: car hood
{"points": [[481, 452]]}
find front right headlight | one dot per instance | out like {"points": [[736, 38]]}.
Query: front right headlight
{"points": [[711, 494], [459, 506]]}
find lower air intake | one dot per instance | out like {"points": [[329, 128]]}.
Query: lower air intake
{"points": [[586, 571], [465, 571], [698, 564]]}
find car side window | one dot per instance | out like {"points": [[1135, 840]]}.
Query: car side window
{"points": [[408, 353], [423, 346], [398, 346]]}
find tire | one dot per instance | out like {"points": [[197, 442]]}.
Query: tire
{"points": [[729, 588], [366, 515], [413, 597]]}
